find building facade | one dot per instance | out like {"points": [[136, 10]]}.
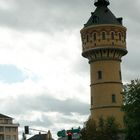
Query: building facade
{"points": [[8, 129], [104, 44]]}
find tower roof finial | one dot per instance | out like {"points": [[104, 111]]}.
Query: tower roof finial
{"points": [[101, 3]]}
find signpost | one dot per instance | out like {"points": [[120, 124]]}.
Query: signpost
{"points": [[72, 134], [61, 133]]}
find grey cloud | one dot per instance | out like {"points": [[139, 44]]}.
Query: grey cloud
{"points": [[52, 15], [21, 106], [44, 122], [43, 15], [45, 103]]}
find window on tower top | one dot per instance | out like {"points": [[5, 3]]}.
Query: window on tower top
{"points": [[87, 38], [103, 35], [94, 37], [112, 36], [120, 36]]}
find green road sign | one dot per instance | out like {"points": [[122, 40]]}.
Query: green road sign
{"points": [[61, 133], [74, 130]]}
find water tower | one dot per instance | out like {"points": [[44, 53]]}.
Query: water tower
{"points": [[104, 45]]}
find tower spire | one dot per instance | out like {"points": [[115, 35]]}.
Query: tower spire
{"points": [[101, 3]]}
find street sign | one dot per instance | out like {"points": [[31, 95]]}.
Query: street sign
{"points": [[74, 132], [61, 133], [75, 136]]}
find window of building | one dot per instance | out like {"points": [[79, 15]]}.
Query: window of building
{"points": [[14, 129], [6, 121], [82, 38], [13, 137], [1, 137], [87, 38], [112, 43], [112, 35], [103, 35], [120, 75], [1, 128], [7, 129], [120, 36], [113, 98], [8, 137], [91, 100], [99, 74], [94, 36]]}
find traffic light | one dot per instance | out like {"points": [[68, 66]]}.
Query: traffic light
{"points": [[69, 135], [26, 128]]}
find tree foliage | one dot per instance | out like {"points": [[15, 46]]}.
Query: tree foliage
{"points": [[103, 130], [131, 108]]}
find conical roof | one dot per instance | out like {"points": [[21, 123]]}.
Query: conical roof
{"points": [[103, 15]]}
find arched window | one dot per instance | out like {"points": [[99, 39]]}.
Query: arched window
{"points": [[112, 35], [103, 35], [82, 37], [87, 38], [94, 36], [120, 36]]}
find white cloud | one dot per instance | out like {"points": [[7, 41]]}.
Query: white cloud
{"points": [[6, 4], [42, 39]]}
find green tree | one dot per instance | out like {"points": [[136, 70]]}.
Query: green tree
{"points": [[131, 108], [89, 130], [105, 129], [111, 129]]}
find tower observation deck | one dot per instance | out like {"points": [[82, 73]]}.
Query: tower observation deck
{"points": [[104, 44]]}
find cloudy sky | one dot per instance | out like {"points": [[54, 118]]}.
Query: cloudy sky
{"points": [[44, 81]]}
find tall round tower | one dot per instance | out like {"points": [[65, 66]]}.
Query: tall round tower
{"points": [[104, 44]]}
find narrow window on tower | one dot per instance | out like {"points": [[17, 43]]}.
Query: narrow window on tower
{"points": [[103, 35], [99, 74], [91, 100], [113, 98], [120, 75]]}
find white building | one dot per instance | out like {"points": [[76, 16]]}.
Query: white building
{"points": [[8, 129]]}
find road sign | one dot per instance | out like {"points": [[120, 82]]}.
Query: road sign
{"points": [[76, 136], [61, 133]]}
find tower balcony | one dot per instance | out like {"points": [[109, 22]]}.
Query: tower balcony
{"points": [[104, 41]]}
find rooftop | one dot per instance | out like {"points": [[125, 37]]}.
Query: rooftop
{"points": [[39, 137], [4, 116], [102, 15]]}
